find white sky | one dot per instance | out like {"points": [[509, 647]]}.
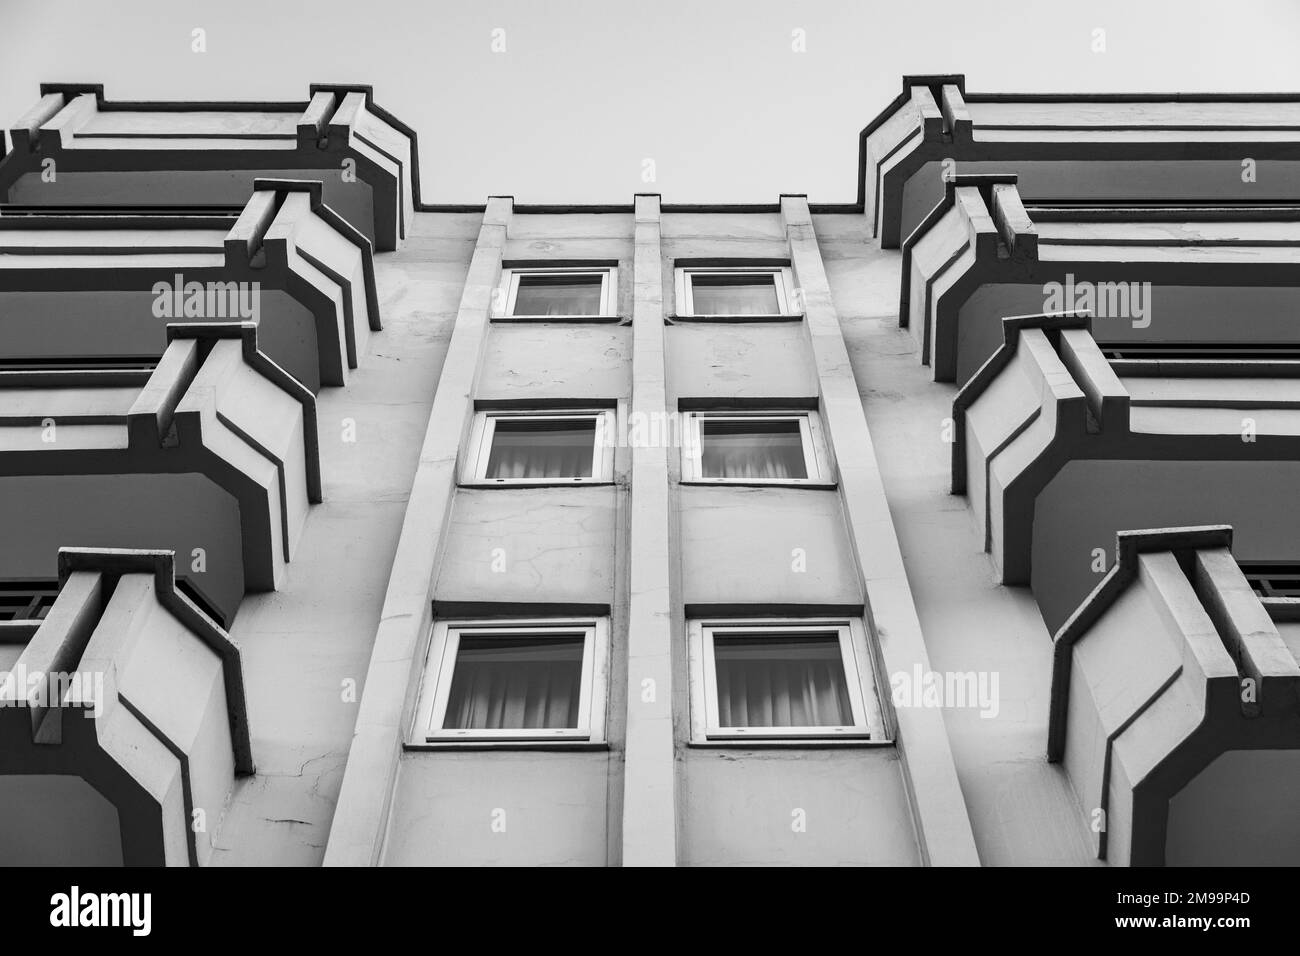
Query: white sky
{"points": [[711, 90]]}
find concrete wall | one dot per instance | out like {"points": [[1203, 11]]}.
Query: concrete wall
{"points": [[305, 647], [1088, 501], [500, 809], [164, 512], [1238, 811], [526, 362], [534, 547], [1092, 179], [556, 545], [764, 547], [783, 548], [56, 820], [275, 422], [743, 361], [1179, 315], [1022, 809], [177, 681], [354, 201], [104, 323], [747, 546], [801, 807]]}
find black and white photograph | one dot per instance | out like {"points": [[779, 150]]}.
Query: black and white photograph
{"points": [[518, 434]]}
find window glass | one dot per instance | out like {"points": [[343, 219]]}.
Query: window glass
{"points": [[541, 448], [559, 294], [781, 681], [515, 682], [751, 448], [734, 294]]}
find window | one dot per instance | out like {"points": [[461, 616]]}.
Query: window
{"points": [[741, 292], [782, 679], [1268, 579], [515, 681], [27, 600], [518, 448], [754, 448], [559, 293]]}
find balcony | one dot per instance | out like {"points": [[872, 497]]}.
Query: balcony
{"points": [[76, 149], [1180, 276], [123, 723], [1174, 149], [106, 287], [1059, 447], [1175, 708], [212, 454]]}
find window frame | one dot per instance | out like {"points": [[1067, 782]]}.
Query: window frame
{"points": [[869, 726], [816, 456], [440, 668], [479, 449], [509, 290], [783, 282]]}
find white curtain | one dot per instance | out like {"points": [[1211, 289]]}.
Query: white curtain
{"points": [[542, 450], [774, 682], [735, 451], [733, 298], [515, 684], [544, 296]]}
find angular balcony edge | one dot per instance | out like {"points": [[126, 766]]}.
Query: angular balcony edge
{"points": [[215, 456], [74, 147], [77, 286], [1171, 681], [1050, 418], [982, 254], [129, 687], [1166, 147]]}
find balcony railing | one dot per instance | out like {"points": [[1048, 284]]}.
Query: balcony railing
{"points": [[1176, 277], [1176, 694], [1058, 448], [74, 147], [124, 693], [104, 288], [1075, 148], [212, 454], [26, 600]]}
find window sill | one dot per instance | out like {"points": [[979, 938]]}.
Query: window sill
{"points": [[781, 317], [791, 743], [726, 483], [557, 319], [419, 746], [559, 483]]}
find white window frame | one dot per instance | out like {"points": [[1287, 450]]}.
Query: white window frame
{"points": [[783, 280], [509, 291], [815, 456], [859, 676], [481, 435], [440, 666]]}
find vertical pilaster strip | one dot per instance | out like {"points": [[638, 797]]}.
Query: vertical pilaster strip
{"points": [[649, 769], [361, 817], [942, 822]]}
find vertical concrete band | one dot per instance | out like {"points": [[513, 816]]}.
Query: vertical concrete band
{"points": [[649, 784], [361, 817], [930, 776]]}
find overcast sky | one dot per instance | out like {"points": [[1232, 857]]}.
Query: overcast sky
{"points": [[714, 92]]}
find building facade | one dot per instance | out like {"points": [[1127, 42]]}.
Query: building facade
{"points": [[954, 526]]}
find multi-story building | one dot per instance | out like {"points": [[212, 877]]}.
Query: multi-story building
{"points": [[954, 526]]}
